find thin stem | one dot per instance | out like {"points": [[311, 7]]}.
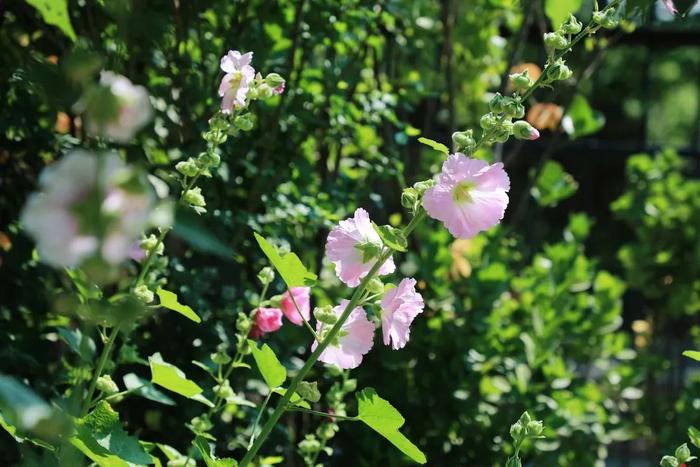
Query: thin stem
{"points": [[313, 358], [257, 419], [106, 350], [323, 414], [149, 259], [306, 322]]}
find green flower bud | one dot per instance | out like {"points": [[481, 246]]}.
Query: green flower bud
{"points": [[409, 197], [669, 461], [503, 132], [523, 130], [264, 91], [243, 323], [244, 122], [534, 428], [220, 358], [424, 185], [516, 430], [309, 445], [273, 80], [209, 159], [525, 418], [309, 391], [350, 385], [325, 314], [150, 242], [683, 453], [223, 390], [571, 26], [513, 108], [488, 121], [201, 424], [106, 385], [144, 294], [375, 286], [514, 462], [215, 137], [558, 71], [555, 40], [521, 81], [187, 168], [605, 19], [266, 275], [464, 141], [194, 197], [496, 103]]}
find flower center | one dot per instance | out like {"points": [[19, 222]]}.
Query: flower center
{"points": [[462, 192], [236, 78]]}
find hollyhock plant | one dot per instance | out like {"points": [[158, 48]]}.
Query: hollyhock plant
{"points": [[400, 306], [267, 320], [469, 195], [354, 340], [302, 297], [348, 245], [236, 82], [85, 207], [132, 111]]}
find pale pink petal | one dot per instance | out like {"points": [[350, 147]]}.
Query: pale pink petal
{"points": [[400, 306], [357, 338], [302, 297], [670, 6], [225, 84], [227, 102]]}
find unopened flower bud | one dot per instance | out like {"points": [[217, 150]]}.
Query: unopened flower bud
{"points": [[266, 275], [244, 122], [310, 445], [106, 385], [409, 197], [521, 81], [682, 453], [496, 103], [243, 323], [558, 71], [571, 26], [224, 390], [209, 159], [516, 430], [220, 358], [325, 314], [144, 294], [273, 80], [669, 461], [488, 121], [555, 40], [188, 168], [375, 286], [605, 19], [503, 132], [464, 141], [420, 187], [194, 197], [534, 428], [514, 462], [513, 108], [265, 91], [523, 130], [151, 242]]}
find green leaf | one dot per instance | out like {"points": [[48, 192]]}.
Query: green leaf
{"points": [[434, 144], [55, 12], [273, 372], [383, 418], [169, 300], [289, 266], [296, 399], [101, 437], [581, 119], [553, 185], [558, 11], [694, 354], [392, 237], [145, 389], [171, 377], [22, 407], [694, 435], [12, 430], [210, 460], [82, 345]]}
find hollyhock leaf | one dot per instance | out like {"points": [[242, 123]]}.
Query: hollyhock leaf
{"points": [[694, 354], [272, 371], [558, 11], [79, 343], [309, 391], [296, 399], [383, 418], [172, 378], [169, 300], [289, 266], [207, 452], [101, 437], [553, 185], [694, 435], [581, 119], [145, 389], [191, 229], [55, 12], [434, 145], [392, 237]]}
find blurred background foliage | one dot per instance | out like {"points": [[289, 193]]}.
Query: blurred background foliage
{"points": [[577, 308]]}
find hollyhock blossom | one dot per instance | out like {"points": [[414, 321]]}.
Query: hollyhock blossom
{"points": [[87, 207], [266, 320], [400, 306], [133, 109], [469, 195], [345, 245], [302, 297], [236, 82], [670, 6], [354, 340]]}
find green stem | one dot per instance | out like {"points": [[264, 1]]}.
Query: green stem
{"points": [[149, 259], [257, 419], [306, 322], [323, 414], [354, 301], [106, 350]]}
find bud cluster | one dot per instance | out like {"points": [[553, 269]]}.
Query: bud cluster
{"points": [[525, 428]]}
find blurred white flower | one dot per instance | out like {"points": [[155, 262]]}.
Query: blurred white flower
{"points": [[122, 114], [88, 205]]}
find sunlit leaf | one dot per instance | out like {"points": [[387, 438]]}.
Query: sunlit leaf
{"points": [[169, 300], [289, 266], [145, 389], [559, 10], [210, 460], [383, 418], [553, 185], [694, 354], [171, 377], [434, 145], [273, 372], [55, 12], [581, 119]]}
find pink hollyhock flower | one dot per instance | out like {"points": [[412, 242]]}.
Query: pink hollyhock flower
{"points": [[266, 320], [302, 297], [670, 7], [344, 248], [354, 340], [235, 84], [400, 306], [469, 195]]}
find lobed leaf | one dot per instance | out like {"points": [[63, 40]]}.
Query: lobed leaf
{"points": [[169, 300], [55, 12], [173, 379], [289, 266], [273, 372]]}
